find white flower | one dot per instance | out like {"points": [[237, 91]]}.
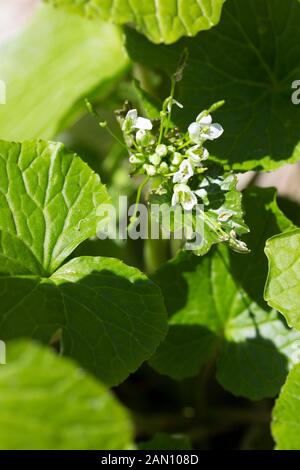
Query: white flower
{"points": [[204, 129], [133, 121], [184, 173], [184, 195], [197, 154]]}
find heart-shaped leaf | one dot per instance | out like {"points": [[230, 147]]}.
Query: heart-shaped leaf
{"points": [[111, 316]]}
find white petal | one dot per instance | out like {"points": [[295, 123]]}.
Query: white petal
{"points": [[175, 199], [194, 158], [181, 188], [177, 158], [143, 123], [204, 120], [194, 148], [132, 114], [186, 170], [177, 178], [185, 166], [201, 193], [189, 203], [215, 131], [195, 132], [205, 154]]}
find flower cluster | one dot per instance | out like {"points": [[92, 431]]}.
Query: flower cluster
{"points": [[157, 149], [178, 160]]}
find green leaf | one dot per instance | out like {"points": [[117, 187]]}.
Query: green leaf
{"points": [[160, 20], [283, 284], [285, 423], [243, 60], [163, 441], [49, 69], [216, 309], [114, 316], [111, 316], [48, 205], [30, 307], [48, 403]]}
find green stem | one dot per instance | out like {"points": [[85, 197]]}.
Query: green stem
{"points": [[161, 131], [164, 126], [189, 142], [173, 84], [114, 136], [138, 197]]}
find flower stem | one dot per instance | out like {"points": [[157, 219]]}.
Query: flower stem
{"points": [[103, 124], [138, 197], [113, 135], [173, 84], [165, 124], [189, 142]]}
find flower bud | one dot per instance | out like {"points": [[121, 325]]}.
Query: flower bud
{"points": [[143, 138], [150, 169], [161, 150], [177, 158], [163, 168], [155, 159], [136, 159]]}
